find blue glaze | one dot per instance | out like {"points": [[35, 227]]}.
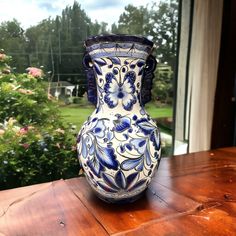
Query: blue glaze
{"points": [[119, 145]]}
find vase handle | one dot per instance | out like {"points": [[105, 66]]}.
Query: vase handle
{"points": [[91, 81], [147, 79]]}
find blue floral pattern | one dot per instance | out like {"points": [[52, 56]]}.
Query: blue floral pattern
{"points": [[120, 81], [120, 182], [139, 145], [120, 91], [98, 157], [119, 145]]}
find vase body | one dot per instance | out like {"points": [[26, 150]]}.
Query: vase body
{"points": [[119, 145]]}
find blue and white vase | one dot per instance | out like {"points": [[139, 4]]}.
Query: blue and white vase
{"points": [[119, 144]]}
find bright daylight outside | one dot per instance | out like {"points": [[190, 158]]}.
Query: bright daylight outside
{"points": [[43, 98]]}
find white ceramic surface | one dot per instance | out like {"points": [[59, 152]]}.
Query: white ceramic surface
{"points": [[119, 144]]}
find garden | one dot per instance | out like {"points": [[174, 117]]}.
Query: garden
{"points": [[36, 145], [37, 132]]}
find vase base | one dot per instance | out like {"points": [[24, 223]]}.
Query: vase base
{"points": [[120, 200]]}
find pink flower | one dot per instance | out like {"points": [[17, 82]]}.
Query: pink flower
{"points": [[24, 130], [25, 145], [2, 56], [35, 72]]}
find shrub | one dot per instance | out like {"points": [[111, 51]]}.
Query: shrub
{"points": [[77, 100], [23, 97], [35, 145], [163, 84]]}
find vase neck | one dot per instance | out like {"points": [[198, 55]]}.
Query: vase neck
{"points": [[118, 82], [119, 64]]}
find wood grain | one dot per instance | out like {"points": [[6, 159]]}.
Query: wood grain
{"points": [[53, 210], [193, 194]]}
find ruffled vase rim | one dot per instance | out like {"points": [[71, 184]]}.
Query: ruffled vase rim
{"points": [[111, 38]]}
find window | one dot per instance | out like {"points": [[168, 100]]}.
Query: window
{"points": [[53, 41]]}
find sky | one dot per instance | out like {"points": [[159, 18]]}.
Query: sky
{"points": [[31, 12]]}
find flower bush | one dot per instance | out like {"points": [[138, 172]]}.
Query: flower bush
{"points": [[35, 145]]}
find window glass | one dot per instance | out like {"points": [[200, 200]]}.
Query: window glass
{"points": [[49, 36]]}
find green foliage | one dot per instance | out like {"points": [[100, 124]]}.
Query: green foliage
{"points": [[163, 28], [12, 40], [35, 145], [162, 90], [57, 44], [30, 155], [24, 98], [133, 20], [160, 23], [157, 21]]}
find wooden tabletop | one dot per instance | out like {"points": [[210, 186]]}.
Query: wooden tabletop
{"points": [[193, 194]]}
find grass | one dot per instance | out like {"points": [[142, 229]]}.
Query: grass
{"points": [[77, 114], [158, 112]]}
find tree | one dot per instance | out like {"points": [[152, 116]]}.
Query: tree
{"points": [[71, 31], [163, 27], [114, 29], [94, 28], [133, 20], [12, 40], [79, 24], [158, 22], [58, 44], [39, 38]]}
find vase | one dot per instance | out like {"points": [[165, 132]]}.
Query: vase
{"points": [[119, 144]]}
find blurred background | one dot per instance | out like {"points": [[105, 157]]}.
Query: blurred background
{"points": [[43, 100]]}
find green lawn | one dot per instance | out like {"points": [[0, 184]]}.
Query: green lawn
{"points": [[77, 114], [158, 112]]}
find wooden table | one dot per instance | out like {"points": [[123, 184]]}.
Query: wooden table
{"points": [[193, 194]]}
